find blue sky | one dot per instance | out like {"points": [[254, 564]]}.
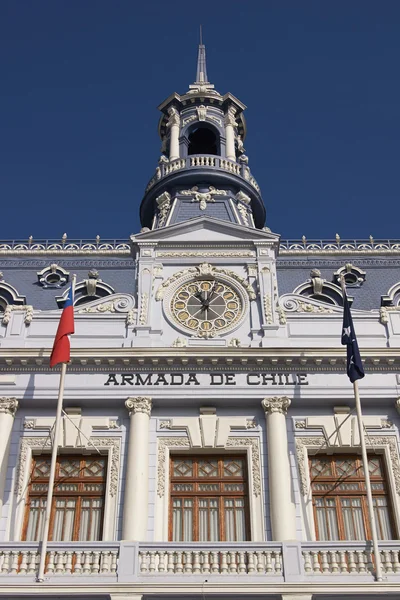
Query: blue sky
{"points": [[81, 80]]}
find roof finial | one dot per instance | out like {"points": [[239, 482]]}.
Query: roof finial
{"points": [[201, 75]]}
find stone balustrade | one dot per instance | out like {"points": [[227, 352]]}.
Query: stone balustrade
{"points": [[63, 558], [202, 161], [222, 559]]}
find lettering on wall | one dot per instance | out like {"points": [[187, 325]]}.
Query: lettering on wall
{"points": [[207, 379]]}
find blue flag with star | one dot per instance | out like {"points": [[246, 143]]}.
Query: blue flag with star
{"points": [[355, 369]]}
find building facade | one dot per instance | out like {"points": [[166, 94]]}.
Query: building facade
{"points": [[209, 446]]}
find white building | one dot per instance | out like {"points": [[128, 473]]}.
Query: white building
{"points": [[209, 446]]}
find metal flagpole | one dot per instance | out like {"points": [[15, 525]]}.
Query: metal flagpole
{"points": [[50, 489], [378, 564]]}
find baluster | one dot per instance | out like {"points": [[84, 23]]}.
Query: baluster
{"points": [[78, 563], [224, 566], [387, 561], [105, 562], [6, 561], [86, 562], [152, 565], [114, 558], [260, 562], [178, 564], [142, 562], [315, 562], [206, 562], [68, 563], [23, 565], [333, 561], [396, 563], [342, 561], [95, 563], [59, 562], [268, 562], [242, 564], [278, 562], [170, 564], [32, 562], [307, 562], [369, 560], [196, 562], [250, 558], [232, 562], [360, 561], [188, 562], [161, 562], [324, 561], [14, 562], [214, 562], [352, 564]]}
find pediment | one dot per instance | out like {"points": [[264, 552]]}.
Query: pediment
{"points": [[206, 229]]}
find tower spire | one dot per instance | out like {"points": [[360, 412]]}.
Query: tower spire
{"points": [[201, 75]]}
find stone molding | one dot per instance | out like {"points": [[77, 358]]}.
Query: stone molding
{"points": [[276, 404], [8, 406], [303, 444], [139, 404]]}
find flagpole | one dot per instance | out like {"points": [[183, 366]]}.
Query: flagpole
{"points": [[53, 463], [378, 564]]}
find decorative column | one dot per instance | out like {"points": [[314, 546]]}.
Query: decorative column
{"points": [[134, 527], [174, 123], [8, 408], [280, 478], [230, 124]]}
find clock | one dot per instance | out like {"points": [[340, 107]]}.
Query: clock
{"points": [[206, 307]]}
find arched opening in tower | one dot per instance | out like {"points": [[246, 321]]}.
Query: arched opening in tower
{"points": [[203, 141]]}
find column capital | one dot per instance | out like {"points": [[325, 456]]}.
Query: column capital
{"points": [[8, 405], [139, 404], [279, 404]]}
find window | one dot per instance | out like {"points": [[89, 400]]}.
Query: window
{"points": [[78, 500], [340, 498], [203, 140], [208, 499]]}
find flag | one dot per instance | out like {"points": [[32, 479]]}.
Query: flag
{"points": [[61, 347], [355, 369]]}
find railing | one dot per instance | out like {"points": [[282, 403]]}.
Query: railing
{"points": [[338, 245], [202, 161], [65, 246], [222, 559], [63, 558]]}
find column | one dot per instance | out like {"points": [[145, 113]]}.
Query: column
{"points": [[174, 125], [8, 408], [134, 526], [280, 478], [230, 124]]}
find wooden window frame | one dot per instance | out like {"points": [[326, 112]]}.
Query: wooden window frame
{"points": [[196, 494], [360, 493], [79, 494]]}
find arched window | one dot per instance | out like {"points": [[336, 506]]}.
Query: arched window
{"points": [[203, 140], [9, 295], [321, 290], [88, 290]]}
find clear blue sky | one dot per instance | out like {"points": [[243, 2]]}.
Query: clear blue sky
{"points": [[81, 80]]}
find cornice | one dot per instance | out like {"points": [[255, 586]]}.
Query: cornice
{"points": [[333, 360]]}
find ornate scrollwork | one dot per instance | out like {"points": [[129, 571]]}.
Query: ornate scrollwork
{"points": [[276, 404], [142, 404]]}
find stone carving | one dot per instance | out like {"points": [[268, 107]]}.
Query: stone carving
{"points": [[383, 315], [91, 282], [144, 307], [316, 281], [27, 308], [276, 404], [244, 214], [203, 197], [207, 254], [291, 303], [305, 443], [116, 303], [164, 206], [189, 119], [44, 443], [230, 117], [386, 424], [165, 424], [242, 197], [183, 442], [174, 118], [131, 317], [353, 276], [267, 308], [201, 269], [235, 343], [201, 112], [252, 270], [53, 276], [140, 404], [300, 424], [240, 146], [251, 424], [282, 316], [8, 406], [180, 342], [29, 424]]}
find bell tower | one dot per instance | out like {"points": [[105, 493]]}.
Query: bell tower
{"points": [[203, 169]]}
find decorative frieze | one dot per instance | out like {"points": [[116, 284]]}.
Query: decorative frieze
{"points": [[276, 404], [140, 404]]}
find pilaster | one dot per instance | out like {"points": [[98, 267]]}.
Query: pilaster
{"points": [[8, 408]]}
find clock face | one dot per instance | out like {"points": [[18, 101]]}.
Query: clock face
{"points": [[206, 307]]}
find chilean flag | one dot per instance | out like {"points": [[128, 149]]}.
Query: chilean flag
{"points": [[61, 347]]}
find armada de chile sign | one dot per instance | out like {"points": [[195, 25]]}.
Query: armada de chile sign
{"points": [[206, 379]]}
